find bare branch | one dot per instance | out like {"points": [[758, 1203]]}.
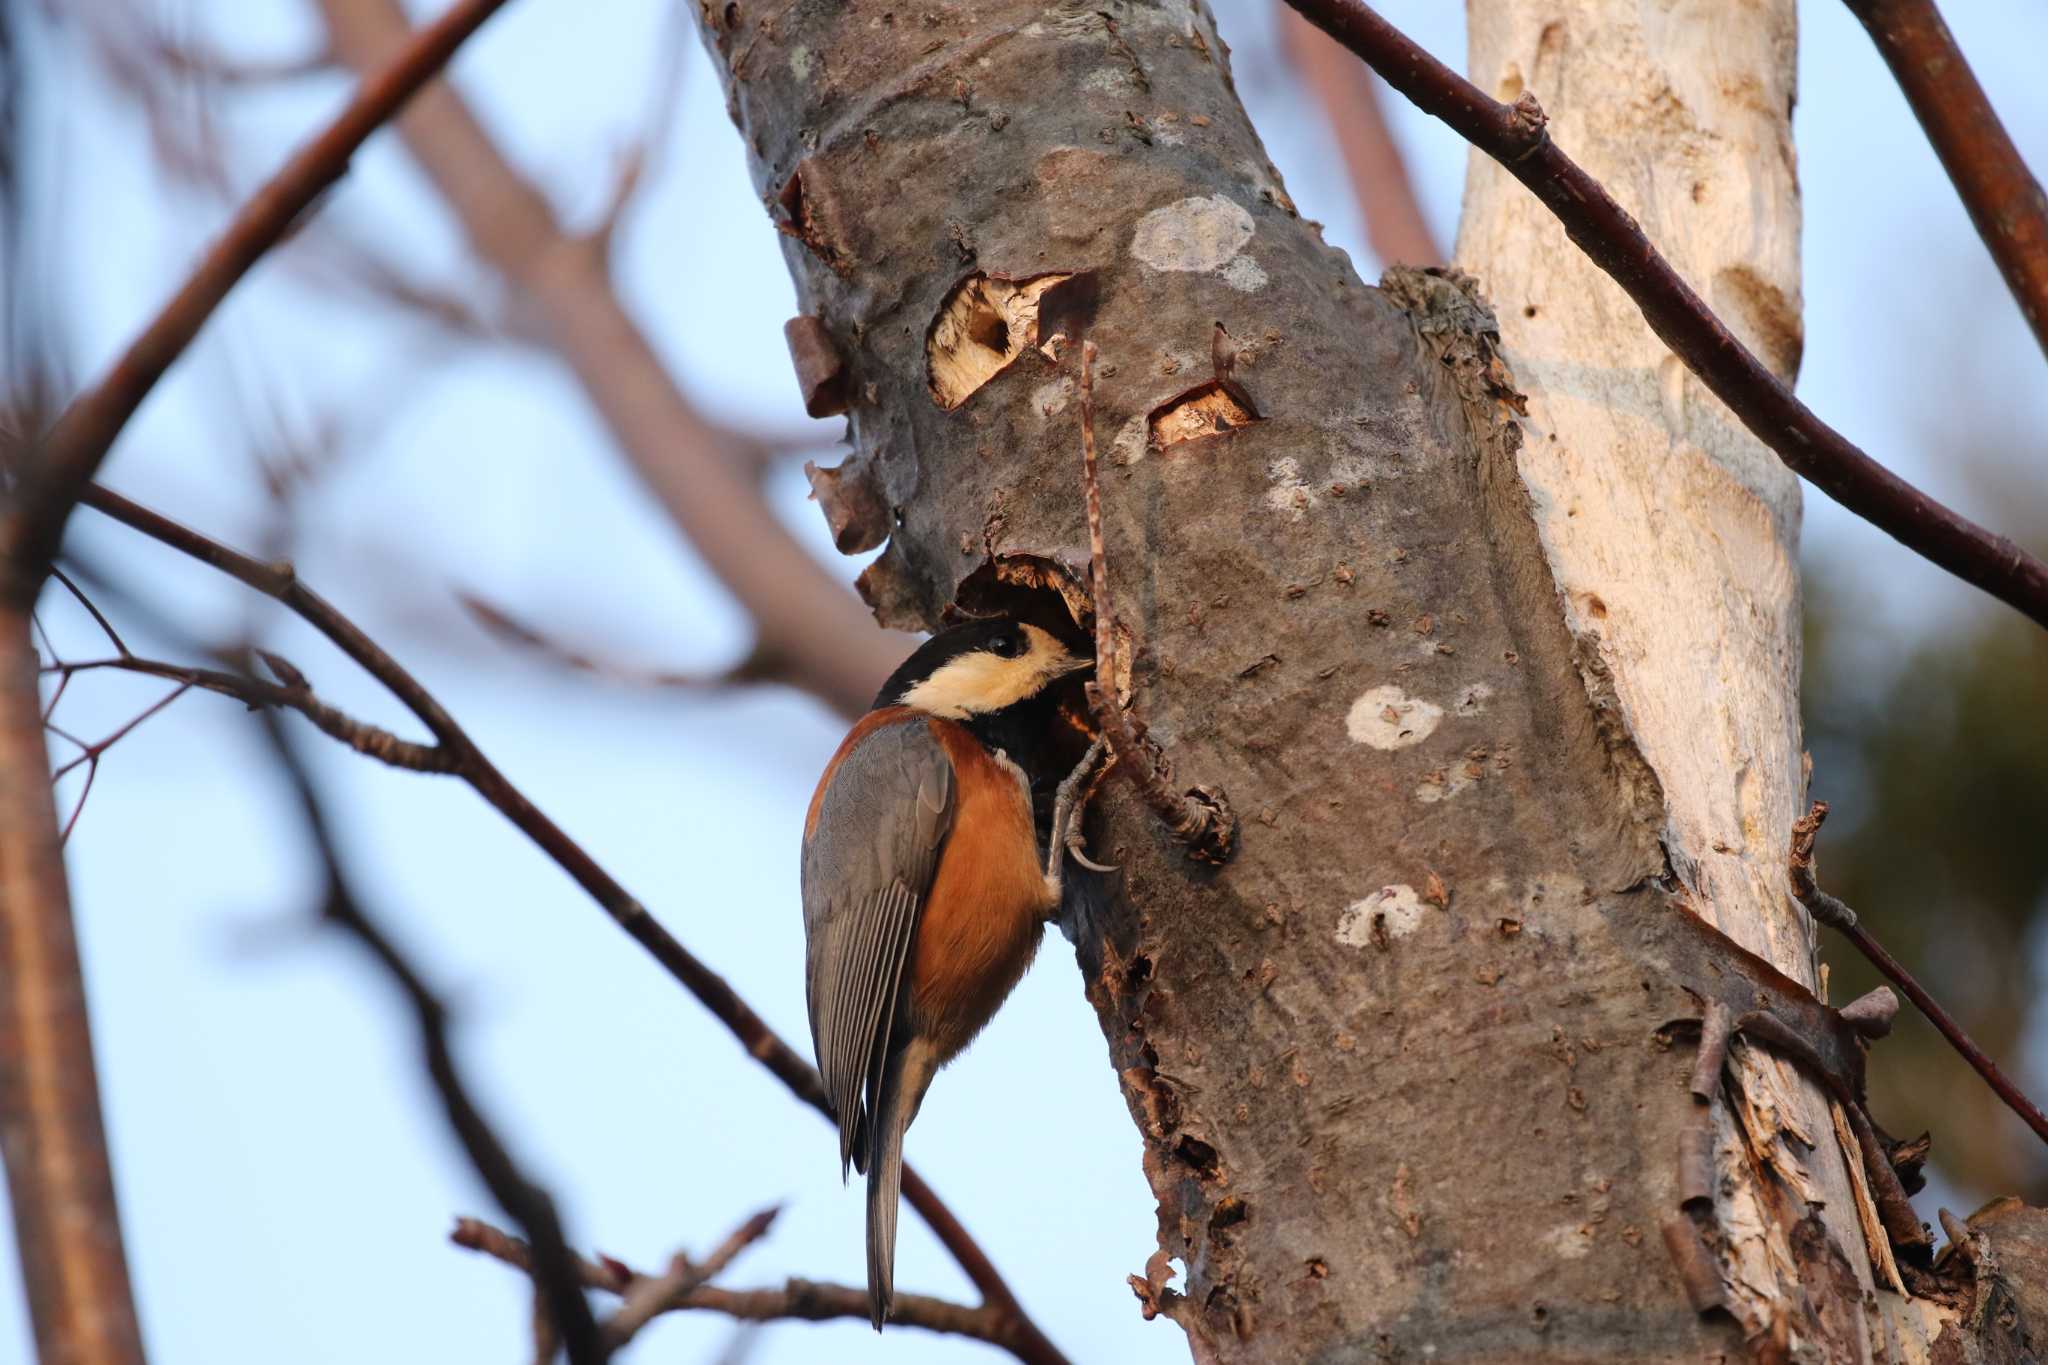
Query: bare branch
{"points": [[83, 434], [2004, 199], [554, 1269], [762, 1043], [1833, 913], [651, 1296], [1515, 137], [797, 1300], [67, 1223], [1394, 224], [800, 613]]}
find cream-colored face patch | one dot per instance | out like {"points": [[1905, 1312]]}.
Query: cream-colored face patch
{"points": [[978, 683]]}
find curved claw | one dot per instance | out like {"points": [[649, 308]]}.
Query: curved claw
{"points": [[1078, 851]]}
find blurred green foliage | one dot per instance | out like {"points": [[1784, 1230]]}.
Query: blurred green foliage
{"points": [[1934, 756]]}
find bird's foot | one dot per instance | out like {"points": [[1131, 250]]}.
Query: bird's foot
{"points": [[1068, 807]]}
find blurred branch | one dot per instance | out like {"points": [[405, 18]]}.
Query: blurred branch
{"points": [[797, 1300], [1515, 137], [1825, 909], [554, 1268], [67, 1224], [2004, 199], [1394, 225], [469, 763], [85, 431], [505, 626], [690, 464]]}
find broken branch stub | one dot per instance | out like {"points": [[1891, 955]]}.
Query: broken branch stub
{"points": [[853, 508], [986, 323], [820, 368]]}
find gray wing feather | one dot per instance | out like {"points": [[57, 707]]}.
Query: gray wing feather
{"points": [[866, 869]]}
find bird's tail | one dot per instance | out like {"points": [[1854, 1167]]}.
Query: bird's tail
{"points": [[910, 1072]]}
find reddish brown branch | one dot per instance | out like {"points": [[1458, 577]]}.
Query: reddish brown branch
{"points": [[279, 581], [2002, 195], [555, 1273], [1829, 911], [66, 1221], [697, 470], [83, 434], [1394, 225], [1200, 819], [1515, 137], [796, 1301]]}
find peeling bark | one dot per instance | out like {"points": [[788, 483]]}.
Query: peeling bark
{"points": [[1415, 1070]]}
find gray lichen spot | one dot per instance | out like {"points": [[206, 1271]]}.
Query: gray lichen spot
{"points": [[1288, 490], [1200, 234], [800, 63], [1050, 398], [986, 324], [1131, 442], [1388, 718], [1245, 275]]}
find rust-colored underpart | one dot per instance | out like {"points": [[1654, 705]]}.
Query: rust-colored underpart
{"points": [[986, 323], [1214, 408]]}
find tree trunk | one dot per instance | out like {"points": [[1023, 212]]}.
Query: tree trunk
{"points": [[1507, 704]]}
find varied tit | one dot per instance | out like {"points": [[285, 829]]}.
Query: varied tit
{"points": [[924, 889]]}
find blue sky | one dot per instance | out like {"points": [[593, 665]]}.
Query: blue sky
{"points": [[286, 1181]]}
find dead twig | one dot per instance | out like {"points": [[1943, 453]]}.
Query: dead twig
{"points": [[1829, 911], [2002, 195], [1200, 818], [82, 435], [469, 763], [650, 1296], [1515, 137], [796, 1300], [553, 1268]]}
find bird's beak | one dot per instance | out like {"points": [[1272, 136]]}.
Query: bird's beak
{"points": [[1077, 666]]}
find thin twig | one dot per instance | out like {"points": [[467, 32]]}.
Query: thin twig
{"points": [[280, 582], [67, 1225], [1200, 819], [1611, 239], [1394, 225], [554, 1266], [797, 1300], [652, 1296], [2002, 195], [1833, 913], [81, 437]]}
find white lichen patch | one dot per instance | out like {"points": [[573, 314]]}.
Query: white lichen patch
{"points": [[1473, 699], [1050, 399], [1571, 1241], [1245, 275], [1443, 785], [1388, 913], [1131, 442], [1388, 718], [800, 63], [1288, 491], [1109, 80], [1199, 234]]}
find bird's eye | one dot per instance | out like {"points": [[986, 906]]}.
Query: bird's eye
{"points": [[1008, 645]]}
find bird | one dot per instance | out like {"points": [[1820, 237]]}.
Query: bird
{"points": [[924, 890]]}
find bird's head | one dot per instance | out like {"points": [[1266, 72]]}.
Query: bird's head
{"points": [[980, 669]]}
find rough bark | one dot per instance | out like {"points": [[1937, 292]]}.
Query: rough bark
{"points": [[1409, 1070]]}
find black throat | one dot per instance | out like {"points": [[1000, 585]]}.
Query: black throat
{"points": [[1020, 731]]}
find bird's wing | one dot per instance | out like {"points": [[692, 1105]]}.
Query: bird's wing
{"points": [[881, 815]]}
